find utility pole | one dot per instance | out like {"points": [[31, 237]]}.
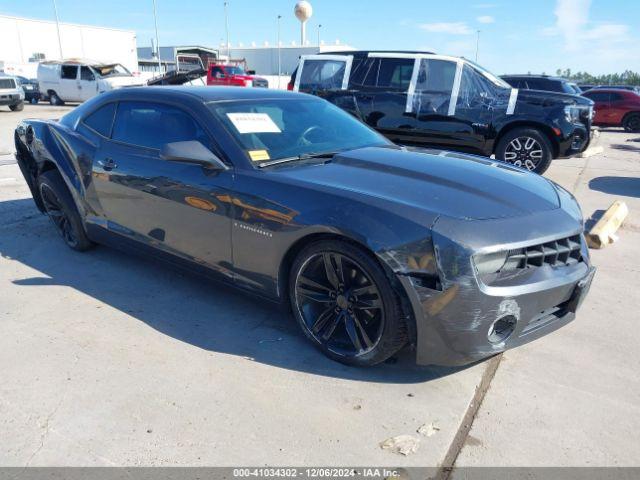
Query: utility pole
{"points": [[55, 10], [319, 27], [155, 21], [226, 27], [477, 44], [279, 56]]}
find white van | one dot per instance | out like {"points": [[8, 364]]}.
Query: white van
{"points": [[77, 81], [11, 94]]}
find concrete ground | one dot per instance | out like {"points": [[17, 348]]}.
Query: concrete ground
{"points": [[113, 360]]}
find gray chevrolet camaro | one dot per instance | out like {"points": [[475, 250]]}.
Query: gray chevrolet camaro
{"points": [[372, 245]]}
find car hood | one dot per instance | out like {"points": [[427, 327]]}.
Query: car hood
{"points": [[444, 183], [124, 81], [550, 98]]}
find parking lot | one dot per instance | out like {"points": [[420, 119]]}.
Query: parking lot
{"points": [[115, 360]]}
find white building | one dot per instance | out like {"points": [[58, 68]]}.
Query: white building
{"points": [[264, 60], [25, 41]]}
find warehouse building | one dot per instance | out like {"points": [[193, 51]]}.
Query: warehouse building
{"points": [[26, 41]]}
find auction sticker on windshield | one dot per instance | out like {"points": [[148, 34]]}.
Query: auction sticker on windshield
{"points": [[253, 123], [259, 155]]}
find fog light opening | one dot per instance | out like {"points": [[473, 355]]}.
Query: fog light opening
{"points": [[502, 329]]}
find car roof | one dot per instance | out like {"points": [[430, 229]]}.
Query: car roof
{"points": [[610, 90], [546, 77], [366, 52], [209, 94]]}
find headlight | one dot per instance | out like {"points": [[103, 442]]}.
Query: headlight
{"points": [[490, 262], [572, 113]]}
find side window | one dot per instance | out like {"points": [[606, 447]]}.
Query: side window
{"points": [[102, 119], [535, 84], [322, 74], [602, 97], [615, 97], [152, 125], [359, 70], [86, 74], [218, 72], [395, 73], [69, 72], [475, 89], [434, 86]]}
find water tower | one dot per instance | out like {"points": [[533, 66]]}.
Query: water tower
{"points": [[303, 13]]}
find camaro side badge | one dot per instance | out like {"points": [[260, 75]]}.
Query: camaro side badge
{"points": [[257, 230]]}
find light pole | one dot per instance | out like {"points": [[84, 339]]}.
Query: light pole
{"points": [[55, 11], [279, 57], [319, 27], [155, 21], [477, 44], [226, 27]]}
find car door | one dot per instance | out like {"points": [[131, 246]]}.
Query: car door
{"points": [[87, 84], [68, 90], [178, 207], [617, 108], [601, 106]]}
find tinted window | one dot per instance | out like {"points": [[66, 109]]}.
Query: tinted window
{"points": [[152, 125], [395, 73], [434, 87], [616, 97], [217, 72], [86, 74], [102, 119], [475, 89], [7, 83], [598, 96], [322, 74], [360, 69], [69, 72]]}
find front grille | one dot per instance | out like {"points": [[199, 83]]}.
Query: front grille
{"points": [[565, 251]]}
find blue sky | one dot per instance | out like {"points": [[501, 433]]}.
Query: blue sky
{"points": [[598, 36]]}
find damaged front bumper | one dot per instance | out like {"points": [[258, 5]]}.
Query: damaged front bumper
{"points": [[467, 318]]}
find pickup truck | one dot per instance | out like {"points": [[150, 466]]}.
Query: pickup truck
{"points": [[233, 76]]}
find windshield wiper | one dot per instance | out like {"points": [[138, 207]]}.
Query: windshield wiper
{"points": [[304, 156]]}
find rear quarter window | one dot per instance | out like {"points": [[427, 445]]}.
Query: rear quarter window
{"points": [[101, 120]]}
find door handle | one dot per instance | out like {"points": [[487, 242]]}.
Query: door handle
{"points": [[107, 164]]}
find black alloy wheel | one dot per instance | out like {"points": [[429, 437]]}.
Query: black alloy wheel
{"points": [[60, 208], [344, 304], [632, 123], [57, 215]]}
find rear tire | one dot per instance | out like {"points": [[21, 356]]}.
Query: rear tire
{"points": [[18, 107], [631, 122], [54, 99], [526, 147], [62, 211], [352, 315]]}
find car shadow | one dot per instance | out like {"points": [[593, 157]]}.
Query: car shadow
{"points": [[625, 148], [200, 312], [625, 186]]}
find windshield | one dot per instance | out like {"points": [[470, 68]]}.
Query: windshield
{"points": [[234, 70], [276, 129], [488, 75], [7, 83], [115, 70]]}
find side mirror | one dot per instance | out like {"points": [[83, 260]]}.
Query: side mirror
{"points": [[192, 152]]}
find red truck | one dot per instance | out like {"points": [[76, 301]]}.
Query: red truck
{"points": [[616, 108], [234, 76]]}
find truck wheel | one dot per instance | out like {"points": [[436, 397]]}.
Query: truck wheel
{"points": [[54, 99], [345, 304], [632, 123], [62, 211], [528, 148], [18, 107]]}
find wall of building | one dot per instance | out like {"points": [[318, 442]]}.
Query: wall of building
{"points": [[21, 38]]}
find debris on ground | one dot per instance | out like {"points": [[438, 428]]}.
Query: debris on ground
{"points": [[402, 444], [428, 430], [603, 232]]}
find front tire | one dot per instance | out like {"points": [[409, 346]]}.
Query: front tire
{"points": [[18, 107], [528, 148], [54, 99], [62, 211], [345, 304], [632, 123]]}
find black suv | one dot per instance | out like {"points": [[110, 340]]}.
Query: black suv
{"points": [[543, 82], [424, 99]]}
